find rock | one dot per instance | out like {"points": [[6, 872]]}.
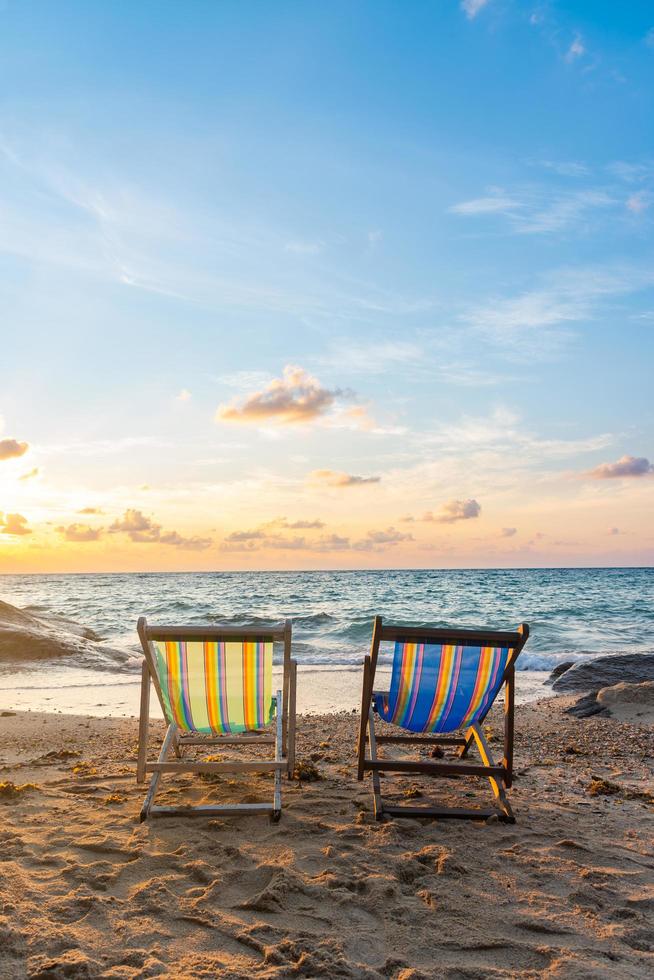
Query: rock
{"points": [[587, 706], [560, 669], [26, 637], [629, 702], [605, 671]]}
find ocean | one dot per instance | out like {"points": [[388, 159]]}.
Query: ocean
{"points": [[573, 613]]}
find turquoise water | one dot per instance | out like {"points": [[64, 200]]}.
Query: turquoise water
{"points": [[573, 613]]}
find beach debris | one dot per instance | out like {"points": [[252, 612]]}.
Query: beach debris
{"points": [[114, 798], [13, 791], [437, 752], [7, 714], [599, 786], [306, 772]]}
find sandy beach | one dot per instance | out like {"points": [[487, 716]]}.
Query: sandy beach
{"points": [[88, 891]]}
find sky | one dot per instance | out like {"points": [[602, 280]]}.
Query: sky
{"points": [[299, 285]]}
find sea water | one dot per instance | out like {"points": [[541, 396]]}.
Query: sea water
{"points": [[573, 613]]}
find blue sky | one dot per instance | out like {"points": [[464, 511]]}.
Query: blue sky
{"points": [[439, 214]]}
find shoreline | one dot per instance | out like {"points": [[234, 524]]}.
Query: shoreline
{"points": [[321, 690]]}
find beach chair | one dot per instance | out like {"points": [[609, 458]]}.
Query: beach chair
{"points": [[214, 686], [443, 684]]}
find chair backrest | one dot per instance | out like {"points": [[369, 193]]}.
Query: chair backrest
{"points": [[441, 682], [213, 681]]}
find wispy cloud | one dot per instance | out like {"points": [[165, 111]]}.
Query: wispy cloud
{"points": [[472, 7], [576, 50], [639, 202], [337, 478], [533, 320], [509, 532], [30, 475], [625, 467], [494, 204], [541, 210]]}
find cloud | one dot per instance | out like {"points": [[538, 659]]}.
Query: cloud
{"points": [[14, 524], [304, 248], [143, 530], [626, 466], [508, 532], [183, 396], [239, 536], [12, 449], [80, 532], [30, 475], [258, 540], [371, 358], [299, 525], [525, 322], [485, 205], [576, 49], [639, 202], [336, 478], [566, 168], [472, 7], [90, 510], [376, 540], [613, 531], [649, 38], [296, 398], [541, 210], [456, 510]]}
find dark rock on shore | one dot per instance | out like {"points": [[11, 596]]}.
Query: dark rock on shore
{"points": [[591, 675], [25, 637], [560, 669]]}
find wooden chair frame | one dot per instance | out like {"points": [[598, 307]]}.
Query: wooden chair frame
{"points": [[499, 775], [175, 741]]}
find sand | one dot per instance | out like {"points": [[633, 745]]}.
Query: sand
{"points": [[87, 891]]}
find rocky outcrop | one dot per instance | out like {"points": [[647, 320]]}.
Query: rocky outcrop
{"points": [[605, 671], [26, 637]]}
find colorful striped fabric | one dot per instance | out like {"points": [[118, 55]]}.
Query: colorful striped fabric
{"points": [[441, 688], [215, 687]]}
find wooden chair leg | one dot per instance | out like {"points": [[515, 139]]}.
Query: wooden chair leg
{"points": [[509, 716], [366, 695], [291, 719], [144, 720], [376, 785], [279, 744], [156, 776], [496, 785]]}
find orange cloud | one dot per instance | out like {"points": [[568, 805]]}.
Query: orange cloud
{"points": [[90, 510], [626, 466], [12, 449], [30, 475], [294, 399], [14, 524], [336, 478], [143, 530], [454, 510], [80, 532]]}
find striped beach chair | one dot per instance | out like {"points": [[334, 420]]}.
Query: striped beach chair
{"points": [[443, 684], [215, 688]]}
